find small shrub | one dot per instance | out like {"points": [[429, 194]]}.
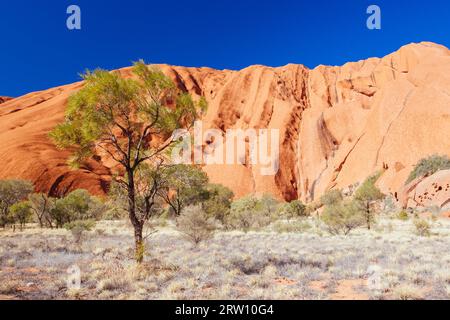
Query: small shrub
{"points": [[218, 202], [294, 209], [78, 229], [429, 166], [342, 218], [403, 215], [291, 226], [407, 293], [77, 205], [248, 214], [331, 197], [268, 205], [422, 228], [312, 207], [195, 225]]}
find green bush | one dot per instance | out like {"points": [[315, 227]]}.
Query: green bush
{"points": [[248, 213], [186, 186], [77, 205], [403, 215], [11, 192], [342, 218], [78, 228], [331, 197], [422, 228], [218, 202], [296, 226], [429, 166], [294, 209], [195, 225], [21, 212]]}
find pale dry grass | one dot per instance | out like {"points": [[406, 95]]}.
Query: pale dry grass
{"points": [[304, 263]]}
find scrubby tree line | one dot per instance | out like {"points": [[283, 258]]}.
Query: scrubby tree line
{"points": [[20, 205]]}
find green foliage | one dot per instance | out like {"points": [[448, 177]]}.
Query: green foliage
{"points": [[366, 197], [294, 209], [77, 205], [41, 205], [403, 215], [108, 102], [195, 224], [185, 186], [148, 180], [218, 202], [312, 207], [11, 192], [86, 225], [21, 212], [368, 191], [296, 226], [342, 217], [331, 197], [429, 166], [132, 120], [249, 213], [78, 228], [422, 227], [269, 205]]}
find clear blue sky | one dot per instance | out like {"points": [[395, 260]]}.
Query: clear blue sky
{"points": [[38, 51]]}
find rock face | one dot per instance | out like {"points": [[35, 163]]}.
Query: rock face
{"points": [[4, 99], [428, 191], [337, 125]]}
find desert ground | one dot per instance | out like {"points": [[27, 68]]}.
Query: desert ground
{"points": [[295, 259]]}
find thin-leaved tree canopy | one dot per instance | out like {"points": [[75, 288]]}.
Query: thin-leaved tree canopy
{"points": [[128, 118]]}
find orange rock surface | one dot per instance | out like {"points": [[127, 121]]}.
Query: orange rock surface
{"points": [[4, 99], [428, 191], [338, 125]]}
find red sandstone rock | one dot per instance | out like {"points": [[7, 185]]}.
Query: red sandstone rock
{"points": [[338, 125], [4, 99]]}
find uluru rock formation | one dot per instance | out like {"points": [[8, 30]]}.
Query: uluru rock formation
{"points": [[338, 125], [428, 191], [4, 99]]}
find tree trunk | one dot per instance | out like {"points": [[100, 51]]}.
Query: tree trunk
{"points": [[41, 224], [368, 216], [137, 225], [139, 244]]}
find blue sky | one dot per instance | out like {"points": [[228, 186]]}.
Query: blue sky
{"points": [[39, 52]]}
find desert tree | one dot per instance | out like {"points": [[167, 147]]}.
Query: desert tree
{"points": [[131, 120], [41, 205], [331, 197], [269, 205], [76, 206], [294, 209], [342, 217], [186, 185], [366, 196], [21, 212], [11, 192], [195, 225], [218, 202], [149, 180]]}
